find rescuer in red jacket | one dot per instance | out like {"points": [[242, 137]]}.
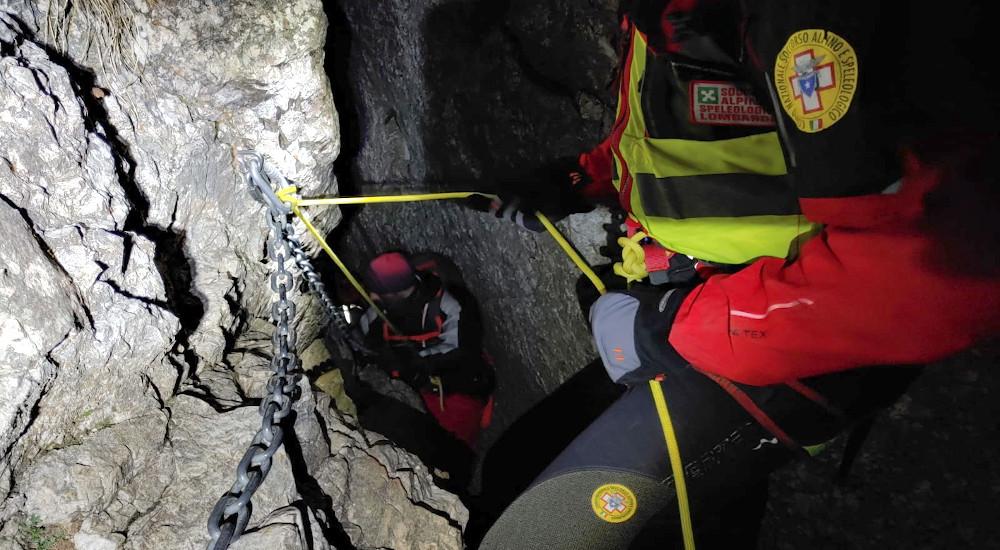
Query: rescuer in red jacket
{"points": [[903, 278], [888, 129], [891, 145]]}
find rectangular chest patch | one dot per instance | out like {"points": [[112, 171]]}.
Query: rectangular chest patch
{"points": [[720, 103]]}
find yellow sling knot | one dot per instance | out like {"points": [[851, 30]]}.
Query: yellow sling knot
{"points": [[633, 264]]}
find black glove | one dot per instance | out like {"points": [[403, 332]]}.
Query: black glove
{"points": [[519, 210], [402, 363], [578, 177], [551, 190], [631, 329], [480, 203], [510, 207]]}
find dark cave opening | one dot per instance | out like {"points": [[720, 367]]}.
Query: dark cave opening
{"points": [[453, 144]]}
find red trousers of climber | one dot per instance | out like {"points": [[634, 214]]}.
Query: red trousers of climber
{"points": [[461, 416]]}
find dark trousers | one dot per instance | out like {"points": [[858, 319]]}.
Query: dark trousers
{"points": [[727, 457]]}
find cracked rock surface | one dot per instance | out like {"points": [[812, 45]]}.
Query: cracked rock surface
{"points": [[134, 338]]}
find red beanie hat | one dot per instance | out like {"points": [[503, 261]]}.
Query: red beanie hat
{"points": [[389, 273]]}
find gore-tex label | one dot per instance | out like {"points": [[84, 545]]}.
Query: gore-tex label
{"points": [[724, 104]]}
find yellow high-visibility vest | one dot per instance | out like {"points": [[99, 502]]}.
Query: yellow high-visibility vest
{"points": [[724, 200]]}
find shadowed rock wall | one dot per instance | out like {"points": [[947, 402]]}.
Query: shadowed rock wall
{"points": [[467, 95]]}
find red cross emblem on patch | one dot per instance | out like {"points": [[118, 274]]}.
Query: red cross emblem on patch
{"points": [[811, 77], [614, 503]]}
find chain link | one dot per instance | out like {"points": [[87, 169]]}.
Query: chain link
{"points": [[338, 323], [232, 512]]}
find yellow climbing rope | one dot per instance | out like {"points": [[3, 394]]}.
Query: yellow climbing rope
{"points": [[336, 201], [633, 264], [676, 463], [290, 195], [571, 252]]}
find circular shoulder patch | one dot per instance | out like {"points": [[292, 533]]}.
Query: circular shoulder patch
{"points": [[613, 503], [816, 75]]}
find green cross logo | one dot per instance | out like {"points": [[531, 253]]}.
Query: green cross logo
{"points": [[708, 95]]}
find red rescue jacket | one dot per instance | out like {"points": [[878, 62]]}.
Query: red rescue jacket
{"points": [[889, 280]]}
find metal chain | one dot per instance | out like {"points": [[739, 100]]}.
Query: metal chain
{"points": [[341, 330], [232, 512]]}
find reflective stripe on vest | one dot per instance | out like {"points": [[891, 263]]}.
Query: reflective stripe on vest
{"points": [[726, 201]]}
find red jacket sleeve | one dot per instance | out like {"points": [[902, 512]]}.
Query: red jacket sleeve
{"points": [[856, 296], [598, 165]]}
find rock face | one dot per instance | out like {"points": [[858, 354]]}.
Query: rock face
{"points": [[133, 282], [474, 92], [477, 95]]}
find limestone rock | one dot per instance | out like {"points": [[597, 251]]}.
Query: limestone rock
{"points": [[134, 296], [205, 448], [411, 511], [287, 527]]}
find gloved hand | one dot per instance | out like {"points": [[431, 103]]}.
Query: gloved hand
{"points": [[401, 362], [551, 190], [631, 325], [519, 210], [480, 203], [578, 177], [508, 206]]}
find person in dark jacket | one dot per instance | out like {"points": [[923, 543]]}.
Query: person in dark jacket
{"points": [[430, 337]]}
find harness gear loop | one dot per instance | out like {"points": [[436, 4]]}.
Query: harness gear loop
{"points": [[288, 195], [676, 463], [755, 411], [768, 423], [815, 397]]}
